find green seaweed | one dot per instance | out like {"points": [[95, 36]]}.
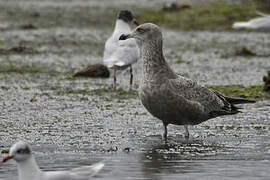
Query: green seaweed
{"points": [[252, 92], [4, 151], [216, 16], [108, 94]]}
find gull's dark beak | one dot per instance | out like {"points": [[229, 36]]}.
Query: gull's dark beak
{"points": [[7, 158], [123, 37]]}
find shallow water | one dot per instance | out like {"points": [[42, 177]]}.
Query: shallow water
{"points": [[72, 122]]}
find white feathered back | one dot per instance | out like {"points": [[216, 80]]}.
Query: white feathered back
{"points": [[120, 54]]}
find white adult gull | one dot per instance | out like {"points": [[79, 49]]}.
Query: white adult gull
{"points": [[172, 98], [259, 23], [29, 170], [119, 55]]}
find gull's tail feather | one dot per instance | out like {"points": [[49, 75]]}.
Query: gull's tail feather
{"points": [[120, 63], [88, 171], [262, 14], [110, 63], [229, 107], [97, 167], [240, 25], [232, 102], [232, 109], [239, 100]]}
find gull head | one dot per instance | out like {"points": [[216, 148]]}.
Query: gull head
{"points": [[127, 17], [20, 151], [147, 32]]}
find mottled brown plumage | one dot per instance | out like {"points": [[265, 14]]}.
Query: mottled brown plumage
{"points": [[172, 98]]}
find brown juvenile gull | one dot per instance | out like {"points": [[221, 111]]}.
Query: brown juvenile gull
{"points": [[172, 98]]}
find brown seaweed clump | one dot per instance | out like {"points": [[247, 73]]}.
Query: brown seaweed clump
{"points": [[27, 26], [18, 50], [96, 70], [176, 6], [266, 80], [244, 52]]}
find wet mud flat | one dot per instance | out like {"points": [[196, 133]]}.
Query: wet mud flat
{"points": [[71, 122]]}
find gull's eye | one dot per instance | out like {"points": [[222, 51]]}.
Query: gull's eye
{"points": [[23, 151], [140, 30]]}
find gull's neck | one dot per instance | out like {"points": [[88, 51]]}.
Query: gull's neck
{"points": [[28, 169], [121, 26], [155, 66]]}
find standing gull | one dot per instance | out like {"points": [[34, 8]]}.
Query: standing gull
{"points": [[119, 55], [172, 98], [29, 170]]}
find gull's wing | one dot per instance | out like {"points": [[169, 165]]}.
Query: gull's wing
{"points": [[81, 173], [120, 54], [199, 100], [110, 47], [125, 54], [261, 22], [58, 175]]}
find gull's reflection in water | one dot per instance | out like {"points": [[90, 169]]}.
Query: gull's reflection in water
{"points": [[170, 161]]}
